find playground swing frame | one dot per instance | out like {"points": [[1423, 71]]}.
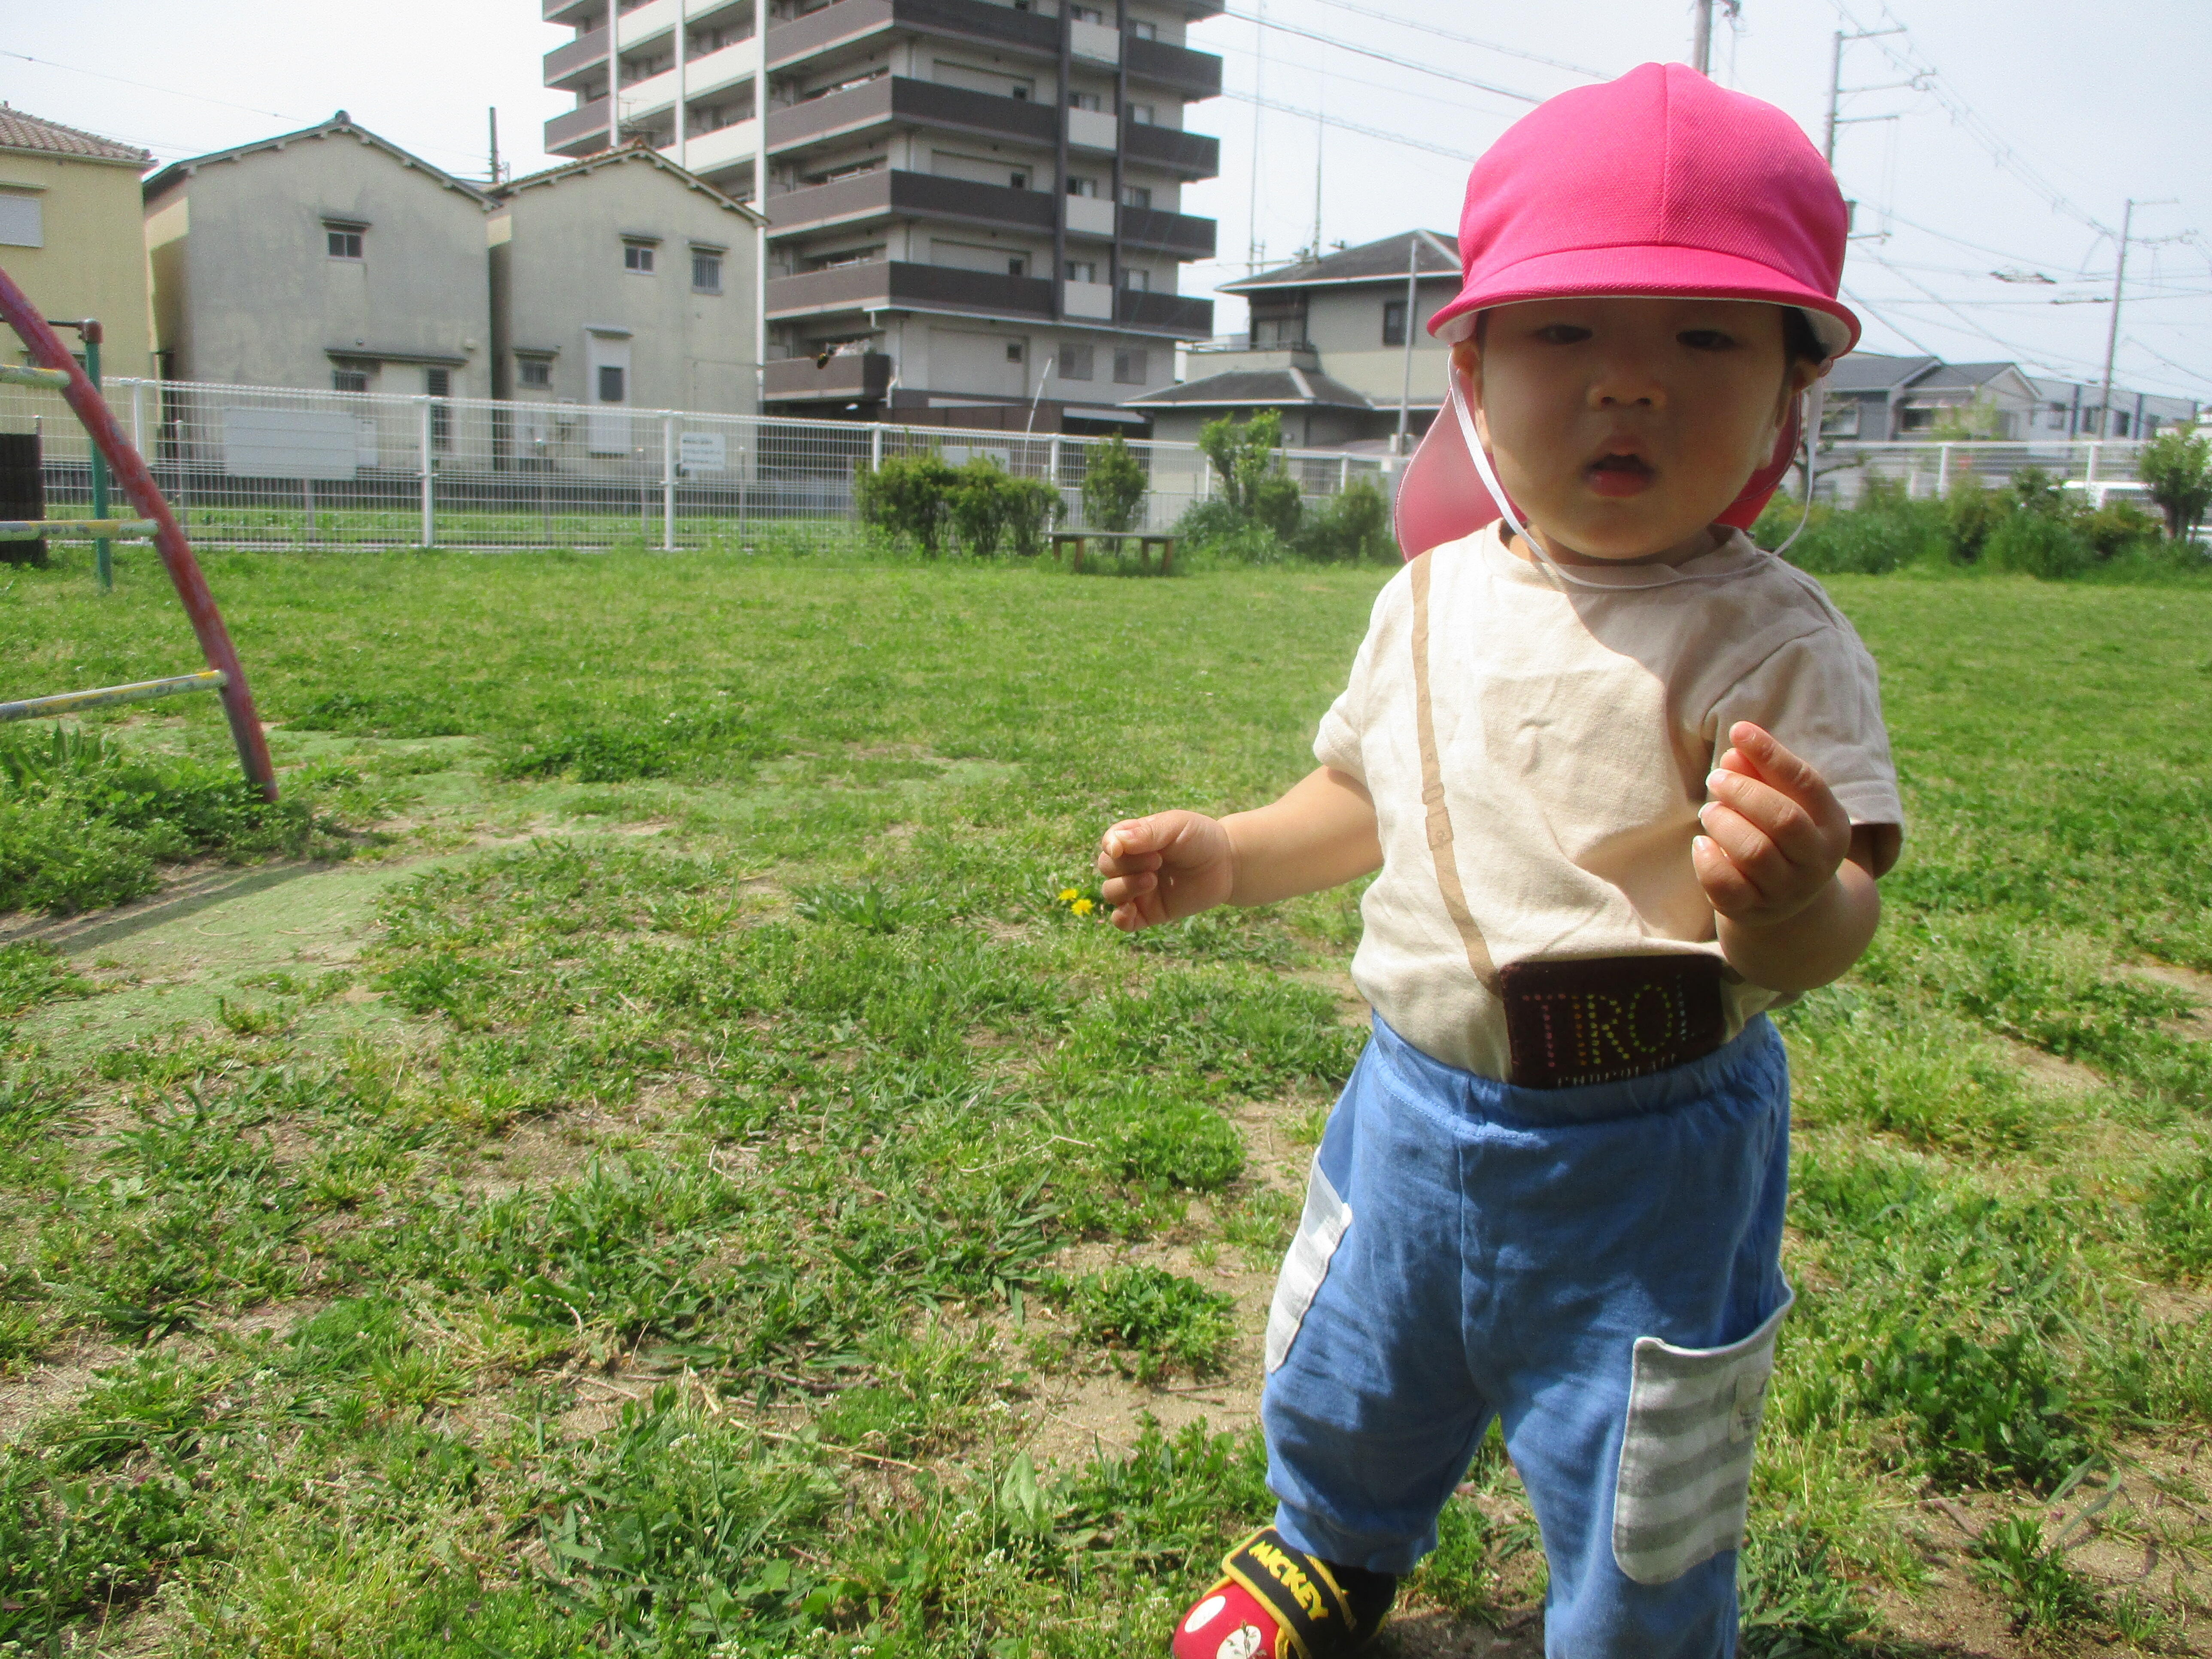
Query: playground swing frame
{"points": [[56, 367]]}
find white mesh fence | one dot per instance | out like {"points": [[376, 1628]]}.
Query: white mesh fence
{"points": [[271, 466], [2097, 469]]}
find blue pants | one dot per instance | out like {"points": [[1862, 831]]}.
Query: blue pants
{"points": [[1600, 1269]]}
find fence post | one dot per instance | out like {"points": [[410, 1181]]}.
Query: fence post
{"points": [[1943, 469], [2094, 449], [668, 483], [876, 448], [1344, 475], [1052, 461], [138, 416], [429, 489]]}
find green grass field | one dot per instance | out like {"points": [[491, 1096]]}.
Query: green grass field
{"points": [[681, 1169]]}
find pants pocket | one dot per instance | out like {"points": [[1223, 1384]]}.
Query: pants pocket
{"points": [[1684, 1480], [1321, 1230]]}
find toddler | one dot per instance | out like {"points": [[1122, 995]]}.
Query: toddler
{"points": [[1625, 780]]}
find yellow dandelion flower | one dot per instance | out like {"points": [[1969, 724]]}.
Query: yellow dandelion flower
{"points": [[1083, 907], [1068, 895]]}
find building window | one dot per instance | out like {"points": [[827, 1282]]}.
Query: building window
{"points": [[1393, 322], [1087, 15], [1017, 265], [1083, 101], [1136, 279], [1017, 180], [610, 383], [343, 241], [1081, 186], [1014, 353], [1146, 31], [22, 222], [1137, 196], [706, 272], [1080, 270], [638, 256], [1077, 362], [348, 378], [1132, 368], [533, 371], [1143, 115], [439, 383]]}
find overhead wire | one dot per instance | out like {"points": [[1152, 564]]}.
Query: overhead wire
{"points": [[1339, 44], [1343, 126], [1468, 39]]}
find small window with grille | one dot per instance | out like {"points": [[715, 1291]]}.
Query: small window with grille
{"points": [[1132, 368], [344, 241], [637, 257], [533, 371], [1077, 362], [349, 380], [706, 272], [1393, 322]]}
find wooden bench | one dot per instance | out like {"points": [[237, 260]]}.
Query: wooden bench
{"points": [[1145, 540]]}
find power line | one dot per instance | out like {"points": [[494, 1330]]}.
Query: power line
{"points": [[1468, 39], [1384, 57], [1449, 100], [1866, 305], [147, 86], [1343, 126]]}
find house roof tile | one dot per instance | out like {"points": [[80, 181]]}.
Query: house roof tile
{"points": [[19, 130]]}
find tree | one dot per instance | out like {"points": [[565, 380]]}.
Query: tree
{"points": [[1242, 453], [2177, 467], [1981, 418], [1113, 486]]}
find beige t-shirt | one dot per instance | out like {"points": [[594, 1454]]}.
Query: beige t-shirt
{"points": [[1575, 726]]}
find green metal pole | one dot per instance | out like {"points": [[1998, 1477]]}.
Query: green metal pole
{"points": [[102, 559]]}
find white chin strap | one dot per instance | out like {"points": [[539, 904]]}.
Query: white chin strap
{"points": [[1463, 404]]}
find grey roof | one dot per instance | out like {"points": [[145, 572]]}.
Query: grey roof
{"points": [[1870, 371], [1284, 388], [1370, 262], [1954, 377], [44, 137], [637, 150], [340, 124]]}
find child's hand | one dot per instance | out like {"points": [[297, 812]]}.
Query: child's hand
{"points": [[1164, 867], [1775, 835]]}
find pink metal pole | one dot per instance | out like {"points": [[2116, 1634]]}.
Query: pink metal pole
{"points": [[130, 471]]}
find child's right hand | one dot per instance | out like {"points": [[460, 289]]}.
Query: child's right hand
{"points": [[1165, 868]]}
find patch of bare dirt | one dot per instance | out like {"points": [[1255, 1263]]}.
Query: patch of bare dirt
{"points": [[65, 1374]]}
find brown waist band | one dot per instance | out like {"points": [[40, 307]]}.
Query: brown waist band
{"points": [[1605, 1019]]}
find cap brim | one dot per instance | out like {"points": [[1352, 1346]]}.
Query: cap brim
{"points": [[1653, 272]]}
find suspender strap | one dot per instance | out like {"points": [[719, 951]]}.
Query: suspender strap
{"points": [[1441, 849]]}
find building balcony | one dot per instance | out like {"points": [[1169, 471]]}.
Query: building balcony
{"points": [[571, 12], [885, 284], [711, 71], [1189, 156], [566, 65], [1179, 233], [643, 22], [580, 132], [708, 154], [917, 103], [887, 193], [1187, 74], [859, 377], [1165, 313], [1000, 28]]}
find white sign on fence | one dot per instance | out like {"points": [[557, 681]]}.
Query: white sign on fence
{"points": [[961, 454], [289, 443], [702, 452]]}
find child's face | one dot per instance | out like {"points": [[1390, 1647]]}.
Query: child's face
{"points": [[1623, 428]]}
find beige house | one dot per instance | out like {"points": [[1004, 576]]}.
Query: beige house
{"points": [[623, 281], [69, 233]]}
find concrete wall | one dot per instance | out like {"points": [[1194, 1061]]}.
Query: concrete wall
{"points": [[559, 272], [1345, 326], [91, 262], [245, 289]]}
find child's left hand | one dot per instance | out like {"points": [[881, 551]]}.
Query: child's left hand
{"points": [[1775, 835]]}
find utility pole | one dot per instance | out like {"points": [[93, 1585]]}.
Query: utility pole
{"points": [[1406, 390], [1837, 89], [1701, 43], [2113, 333], [494, 114]]}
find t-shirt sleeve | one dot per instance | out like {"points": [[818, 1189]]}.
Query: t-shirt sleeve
{"points": [[1821, 695], [1338, 742]]}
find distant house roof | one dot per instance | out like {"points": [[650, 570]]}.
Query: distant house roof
{"points": [[1270, 388], [637, 150], [1960, 377], [1870, 371], [1436, 253], [340, 125], [42, 137]]}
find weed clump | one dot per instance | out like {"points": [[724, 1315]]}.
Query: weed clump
{"points": [[1152, 1321]]}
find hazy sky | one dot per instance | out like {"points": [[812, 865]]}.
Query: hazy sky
{"points": [[2040, 118]]}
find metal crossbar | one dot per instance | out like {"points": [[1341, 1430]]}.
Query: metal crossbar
{"points": [[31, 530], [72, 702]]}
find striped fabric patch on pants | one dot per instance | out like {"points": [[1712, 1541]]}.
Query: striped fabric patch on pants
{"points": [[1684, 1480], [1321, 1230]]}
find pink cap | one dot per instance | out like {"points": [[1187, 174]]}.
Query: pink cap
{"points": [[1659, 183]]}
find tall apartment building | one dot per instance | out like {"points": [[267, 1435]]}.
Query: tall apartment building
{"points": [[974, 205]]}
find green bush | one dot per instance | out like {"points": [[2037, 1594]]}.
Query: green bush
{"points": [[1354, 526], [1970, 513], [1276, 504], [2035, 542], [1886, 530], [907, 498], [1258, 510], [2118, 529], [990, 509], [1113, 486], [2177, 467]]}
